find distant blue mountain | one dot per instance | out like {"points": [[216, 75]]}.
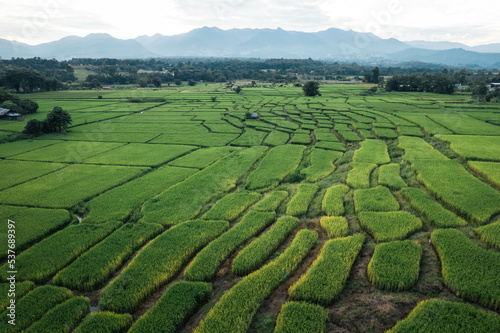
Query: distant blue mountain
{"points": [[331, 44]]}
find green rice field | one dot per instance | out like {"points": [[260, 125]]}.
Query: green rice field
{"points": [[343, 212]]}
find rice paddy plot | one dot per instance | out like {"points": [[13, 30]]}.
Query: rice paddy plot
{"points": [[476, 147], [31, 225], [372, 151], [68, 151], [202, 157], [57, 189], [16, 172], [389, 226], [140, 154]]}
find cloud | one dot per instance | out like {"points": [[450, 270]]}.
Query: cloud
{"points": [[460, 20]]}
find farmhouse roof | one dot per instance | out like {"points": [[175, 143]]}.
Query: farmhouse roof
{"points": [[3, 111]]}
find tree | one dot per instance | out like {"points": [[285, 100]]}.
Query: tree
{"points": [[33, 127], [58, 119], [373, 77], [237, 89], [311, 88]]}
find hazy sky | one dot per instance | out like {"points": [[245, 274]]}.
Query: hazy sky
{"points": [[37, 21]]}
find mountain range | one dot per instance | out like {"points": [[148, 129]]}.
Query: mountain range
{"points": [[332, 44]]}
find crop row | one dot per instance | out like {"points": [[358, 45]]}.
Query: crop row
{"points": [[22, 288], [33, 306], [231, 206], [395, 265], [158, 263], [235, 309], [298, 204], [22, 171], [279, 162], [46, 258], [326, 277], [97, 265], [62, 318], [489, 170], [440, 316], [184, 200], [468, 269], [257, 252], [206, 263], [174, 307]]}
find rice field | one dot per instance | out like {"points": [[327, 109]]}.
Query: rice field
{"points": [[334, 213]]}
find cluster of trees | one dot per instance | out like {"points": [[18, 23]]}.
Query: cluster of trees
{"points": [[373, 77], [48, 68], [440, 83], [28, 81], [57, 120], [16, 104]]}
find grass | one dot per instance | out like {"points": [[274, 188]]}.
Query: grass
{"points": [[333, 201], [389, 226], [468, 269], [298, 204], [378, 199], [235, 309], [184, 200], [325, 279], [231, 206], [372, 151], [395, 265], [258, 251], [62, 248], [440, 316], [335, 226], [301, 317], [174, 307], [279, 162], [432, 210], [96, 266], [321, 164], [250, 138], [206, 263], [157, 264]]}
